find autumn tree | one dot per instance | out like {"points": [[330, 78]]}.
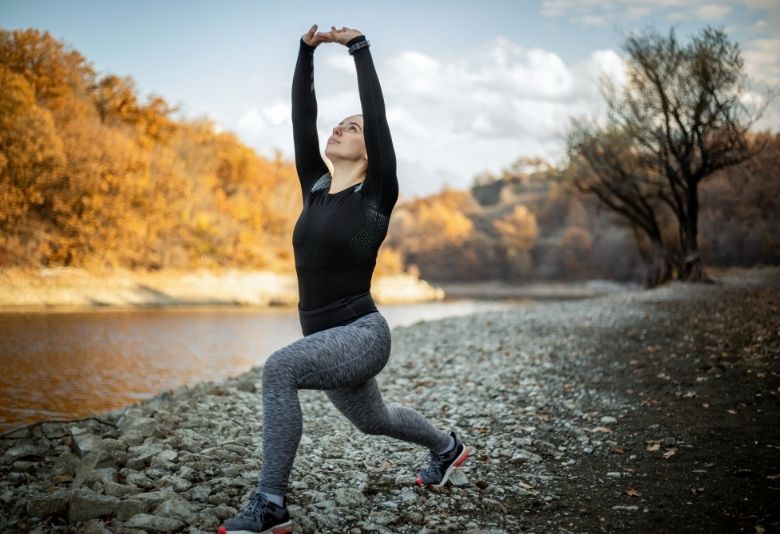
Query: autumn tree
{"points": [[31, 161], [517, 232]]}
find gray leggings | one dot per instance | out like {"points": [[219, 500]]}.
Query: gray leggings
{"points": [[343, 361]]}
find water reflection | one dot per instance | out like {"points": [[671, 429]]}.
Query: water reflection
{"points": [[64, 365]]}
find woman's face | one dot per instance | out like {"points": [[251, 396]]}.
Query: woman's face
{"points": [[346, 141]]}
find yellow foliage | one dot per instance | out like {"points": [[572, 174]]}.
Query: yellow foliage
{"points": [[518, 229]]}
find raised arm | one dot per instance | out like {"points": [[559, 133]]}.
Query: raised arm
{"points": [[381, 184], [308, 162]]}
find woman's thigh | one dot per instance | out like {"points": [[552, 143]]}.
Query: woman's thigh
{"points": [[339, 357]]}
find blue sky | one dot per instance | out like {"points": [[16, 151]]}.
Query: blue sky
{"points": [[469, 86]]}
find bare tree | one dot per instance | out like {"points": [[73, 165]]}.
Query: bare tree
{"points": [[682, 107]]}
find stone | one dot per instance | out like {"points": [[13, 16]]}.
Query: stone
{"points": [[349, 497], [86, 442], [127, 508], [139, 480], [94, 526], [154, 523], [86, 504], [102, 474], [55, 504], [24, 450], [92, 460], [177, 508], [458, 478], [120, 490], [522, 456]]}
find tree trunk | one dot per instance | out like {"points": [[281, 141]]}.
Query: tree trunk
{"points": [[660, 267], [692, 266]]}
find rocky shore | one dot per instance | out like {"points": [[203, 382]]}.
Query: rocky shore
{"points": [[639, 411]]}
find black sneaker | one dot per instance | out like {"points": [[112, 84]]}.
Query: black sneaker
{"points": [[261, 516], [441, 465]]}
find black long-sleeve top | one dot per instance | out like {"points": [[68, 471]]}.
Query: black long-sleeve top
{"points": [[337, 236]]}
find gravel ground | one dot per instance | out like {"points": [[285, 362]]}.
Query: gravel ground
{"points": [[642, 411]]}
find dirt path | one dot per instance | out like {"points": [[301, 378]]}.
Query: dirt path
{"points": [[697, 448]]}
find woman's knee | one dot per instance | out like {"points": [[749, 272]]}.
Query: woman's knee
{"points": [[276, 368]]}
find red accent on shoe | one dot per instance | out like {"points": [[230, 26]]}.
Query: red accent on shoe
{"points": [[221, 530], [282, 530], [419, 481], [462, 458]]}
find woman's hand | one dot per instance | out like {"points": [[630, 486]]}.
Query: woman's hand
{"points": [[313, 39], [340, 35]]}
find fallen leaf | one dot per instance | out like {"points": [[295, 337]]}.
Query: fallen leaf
{"points": [[601, 429], [631, 492], [732, 412], [618, 450], [653, 446], [668, 454]]}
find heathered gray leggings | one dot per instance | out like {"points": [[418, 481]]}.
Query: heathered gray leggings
{"points": [[343, 361]]}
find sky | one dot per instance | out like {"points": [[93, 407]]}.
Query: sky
{"points": [[469, 87]]}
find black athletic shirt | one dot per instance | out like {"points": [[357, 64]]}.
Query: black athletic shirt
{"points": [[337, 236]]}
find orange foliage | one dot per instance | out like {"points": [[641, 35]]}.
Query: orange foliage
{"points": [[91, 176]]}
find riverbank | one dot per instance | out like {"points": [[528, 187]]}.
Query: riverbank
{"points": [[639, 411], [72, 289], [77, 289]]}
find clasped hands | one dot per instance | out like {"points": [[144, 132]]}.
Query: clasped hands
{"points": [[335, 35]]}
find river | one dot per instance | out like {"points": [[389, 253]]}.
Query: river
{"points": [[66, 365]]}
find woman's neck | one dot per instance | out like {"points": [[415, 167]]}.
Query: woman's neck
{"points": [[347, 173]]}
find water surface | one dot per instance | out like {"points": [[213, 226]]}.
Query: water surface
{"points": [[65, 365]]}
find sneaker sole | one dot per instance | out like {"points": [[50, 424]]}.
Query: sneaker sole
{"points": [[284, 528], [462, 457]]}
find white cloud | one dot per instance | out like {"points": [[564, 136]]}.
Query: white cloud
{"points": [[760, 25], [763, 71], [341, 62], [711, 12], [453, 118], [599, 12], [761, 60]]}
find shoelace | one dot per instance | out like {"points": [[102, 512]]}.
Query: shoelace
{"points": [[257, 507], [435, 461]]}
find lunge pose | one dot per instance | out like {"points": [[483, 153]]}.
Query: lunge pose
{"points": [[346, 339]]}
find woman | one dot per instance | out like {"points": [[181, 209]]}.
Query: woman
{"points": [[346, 339]]}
